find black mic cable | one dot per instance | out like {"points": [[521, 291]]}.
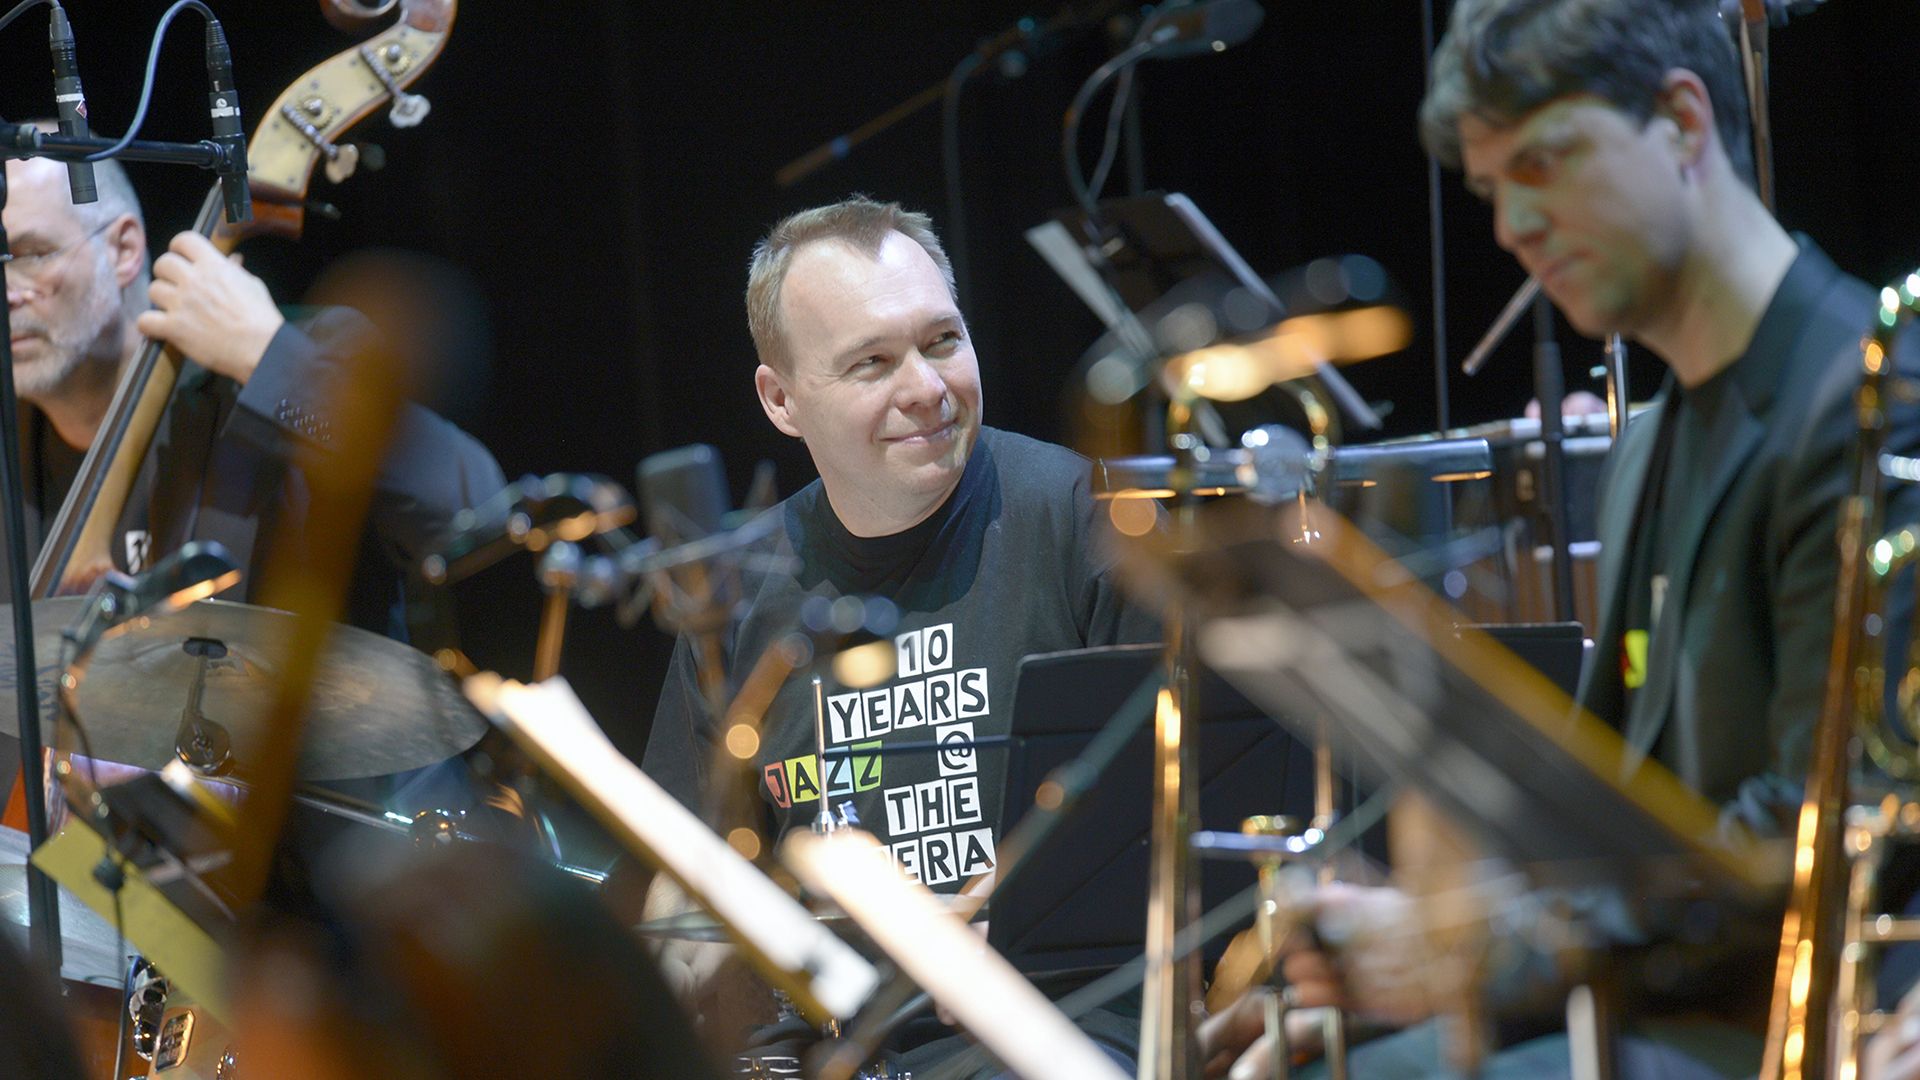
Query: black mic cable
{"points": [[71, 102]]}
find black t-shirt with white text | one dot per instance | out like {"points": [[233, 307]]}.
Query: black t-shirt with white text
{"points": [[1017, 561]]}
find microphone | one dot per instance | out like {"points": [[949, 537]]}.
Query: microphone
{"points": [[533, 512], [1196, 29], [223, 104], [684, 494], [72, 103]]}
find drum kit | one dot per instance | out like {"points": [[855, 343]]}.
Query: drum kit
{"points": [[192, 688]]}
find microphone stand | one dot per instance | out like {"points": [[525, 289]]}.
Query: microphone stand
{"points": [[1549, 386], [26, 141], [43, 908], [1008, 40]]}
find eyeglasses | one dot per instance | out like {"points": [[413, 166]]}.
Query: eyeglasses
{"points": [[33, 267]]}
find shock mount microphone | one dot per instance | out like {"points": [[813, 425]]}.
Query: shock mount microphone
{"points": [[223, 104], [71, 102]]}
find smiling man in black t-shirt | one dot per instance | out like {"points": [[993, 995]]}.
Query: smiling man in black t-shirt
{"points": [[989, 543]]}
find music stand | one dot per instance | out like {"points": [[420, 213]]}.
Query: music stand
{"points": [[1077, 901], [1489, 740], [1153, 253], [822, 974]]}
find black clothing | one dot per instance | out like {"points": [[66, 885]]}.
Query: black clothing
{"points": [[219, 469], [1736, 663], [1013, 563]]}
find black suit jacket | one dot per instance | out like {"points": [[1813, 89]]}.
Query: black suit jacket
{"points": [[223, 467], [1737, 662]]}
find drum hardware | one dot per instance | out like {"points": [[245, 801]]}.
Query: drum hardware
{"points": [[559, 574], [548, 515], [194, 1045], [146, 1001], [378, 706], [530, 514], [174, 1042], [202, 743], [1823, 1005]]}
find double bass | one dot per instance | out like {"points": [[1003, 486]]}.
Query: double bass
{"points": [[300, 132]]}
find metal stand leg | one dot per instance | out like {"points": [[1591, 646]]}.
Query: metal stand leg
{"points": [[1171, 988], [559, 570], [1590, 1034]]}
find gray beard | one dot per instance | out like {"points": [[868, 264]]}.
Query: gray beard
{"points": [[91, 341]]}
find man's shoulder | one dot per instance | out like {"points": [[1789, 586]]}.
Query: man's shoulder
{"points": [[1031, 463]]}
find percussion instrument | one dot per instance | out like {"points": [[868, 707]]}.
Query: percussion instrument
{"points": [[378, 706]]}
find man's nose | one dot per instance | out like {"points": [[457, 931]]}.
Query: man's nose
{"points": [[1517, 218], [920, 383]]}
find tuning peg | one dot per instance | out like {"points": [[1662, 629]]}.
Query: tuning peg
{"points": [[408, 109], [342, 160]]}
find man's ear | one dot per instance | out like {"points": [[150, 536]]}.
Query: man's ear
{"points": [[128, 242], [1684, 101], [775, 399]]}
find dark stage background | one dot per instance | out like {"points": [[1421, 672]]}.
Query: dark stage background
{"points": [[595, 174]]}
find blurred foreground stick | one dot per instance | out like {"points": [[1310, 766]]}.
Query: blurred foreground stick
{"points": [[307, 571]]}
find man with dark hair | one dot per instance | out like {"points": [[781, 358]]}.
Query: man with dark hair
{"points": [[1608, 137], [989, 543]]}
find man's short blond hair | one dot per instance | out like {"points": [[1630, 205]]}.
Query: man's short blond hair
{"points": [[859, 222]]}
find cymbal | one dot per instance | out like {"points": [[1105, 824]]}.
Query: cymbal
{"points": [[89, 949], [377, 706]]}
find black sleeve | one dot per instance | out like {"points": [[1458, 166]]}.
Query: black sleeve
{"points": [[432, 469], [680, 744]]}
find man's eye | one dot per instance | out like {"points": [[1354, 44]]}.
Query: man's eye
{"points": [[945, 344], [1538, 165]]}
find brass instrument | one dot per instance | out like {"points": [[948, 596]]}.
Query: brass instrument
{"points": [[1822, 1003]]}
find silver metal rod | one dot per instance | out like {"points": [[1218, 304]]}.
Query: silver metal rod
{"points": [[823, 820], [1502, 324], [1618, 395]]}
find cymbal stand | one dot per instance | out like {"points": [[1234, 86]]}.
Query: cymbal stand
{"points": [[1170, 991], [559, 573]]}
